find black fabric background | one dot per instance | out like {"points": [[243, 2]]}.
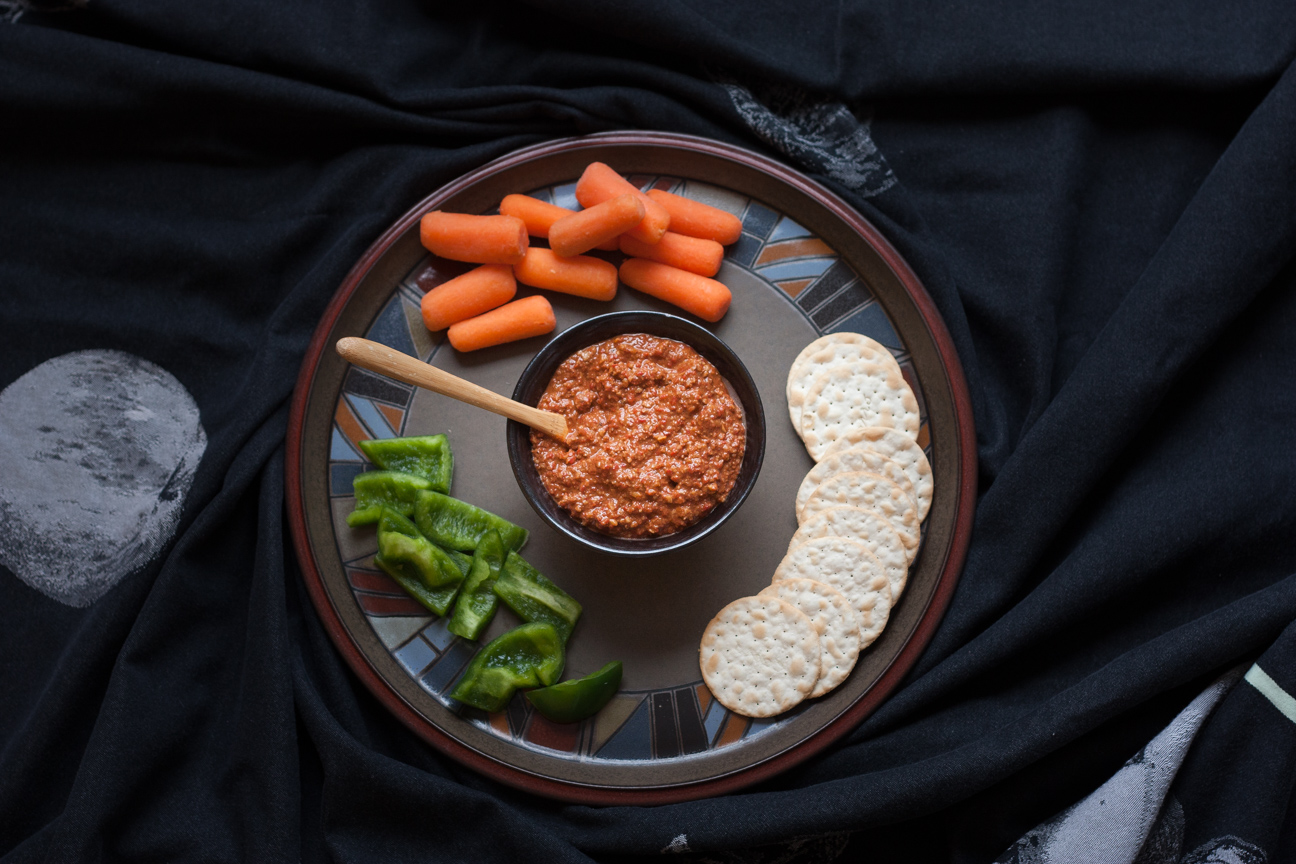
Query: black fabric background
{"points": [[1099, 197]]}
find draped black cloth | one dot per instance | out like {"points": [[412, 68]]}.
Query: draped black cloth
{"points": [[1098, 196]]}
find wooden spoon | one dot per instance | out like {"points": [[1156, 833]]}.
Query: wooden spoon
{"points": [[377, 357]]}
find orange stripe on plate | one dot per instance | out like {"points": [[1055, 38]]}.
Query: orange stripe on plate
{"points": [[555, 736], [704, 699], [384, 604], [735, 726], [499, 722], [379, 583], [793, 287], [801, 247], [350, 424], [395, 416]]}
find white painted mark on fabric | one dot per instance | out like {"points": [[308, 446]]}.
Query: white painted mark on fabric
{"points": [[97, 453], [1269, 688], [679, 844]]}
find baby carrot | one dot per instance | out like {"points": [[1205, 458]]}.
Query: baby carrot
{"points": [[581, 232], [537, 215], [598, 183], [521, 319], [475, 239], [473, 293], [705, 298], [693, 254], [540, 216], [581, 275], [697, 219]]}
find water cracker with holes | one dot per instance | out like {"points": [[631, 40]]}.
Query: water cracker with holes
{"points": [[760, 656], [872, 492], [870, 528], [848, 461], [856, 395], [823, 352], [893, 445], [847, 565], [833, 617]]}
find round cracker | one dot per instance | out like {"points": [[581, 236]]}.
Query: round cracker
{"points": [[895, 446], [872, 492], [847, 565], [855, 396], [857, 459], [824, 352], [870, 528], [760, 656], [833, 617]]}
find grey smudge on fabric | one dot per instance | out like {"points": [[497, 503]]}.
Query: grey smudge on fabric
{"points": [[810, 849], [824, 137], [97, 453], [12, 10]]}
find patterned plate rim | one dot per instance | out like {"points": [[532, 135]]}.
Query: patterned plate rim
{"points": [[828, 734]]}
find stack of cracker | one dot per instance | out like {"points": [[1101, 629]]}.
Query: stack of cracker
{"points": [[860, 512]]}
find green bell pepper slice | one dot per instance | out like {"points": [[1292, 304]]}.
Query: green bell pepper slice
{"points": [[477, 602], [526, 591], [459, 525], [426, 456], [464, 562], [375, 490], [391, 521], [421, 567], [574, 700], [528, 656]]}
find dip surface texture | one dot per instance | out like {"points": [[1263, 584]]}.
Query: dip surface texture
{"points": [[656, 440]]}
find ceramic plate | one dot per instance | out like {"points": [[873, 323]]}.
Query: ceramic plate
{"points": [[807, 264]]}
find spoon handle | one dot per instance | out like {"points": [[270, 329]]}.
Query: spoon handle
{"points": [[377, 357]]}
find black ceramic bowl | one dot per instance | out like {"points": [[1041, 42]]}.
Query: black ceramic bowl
{"points": [[536, 377]]}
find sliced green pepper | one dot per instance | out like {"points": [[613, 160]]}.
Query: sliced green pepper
{"points": [[526, 591], [476, 604], [393, 521], [464, 561], [578, 698], [421, 567], [528, 656], [375, 490], [427, 456], [459, 525]]}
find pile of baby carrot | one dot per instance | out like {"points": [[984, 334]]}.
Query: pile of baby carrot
{"points": [[672, 265]]}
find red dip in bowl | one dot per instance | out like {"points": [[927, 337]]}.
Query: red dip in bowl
{"points": [[656, 439]]}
